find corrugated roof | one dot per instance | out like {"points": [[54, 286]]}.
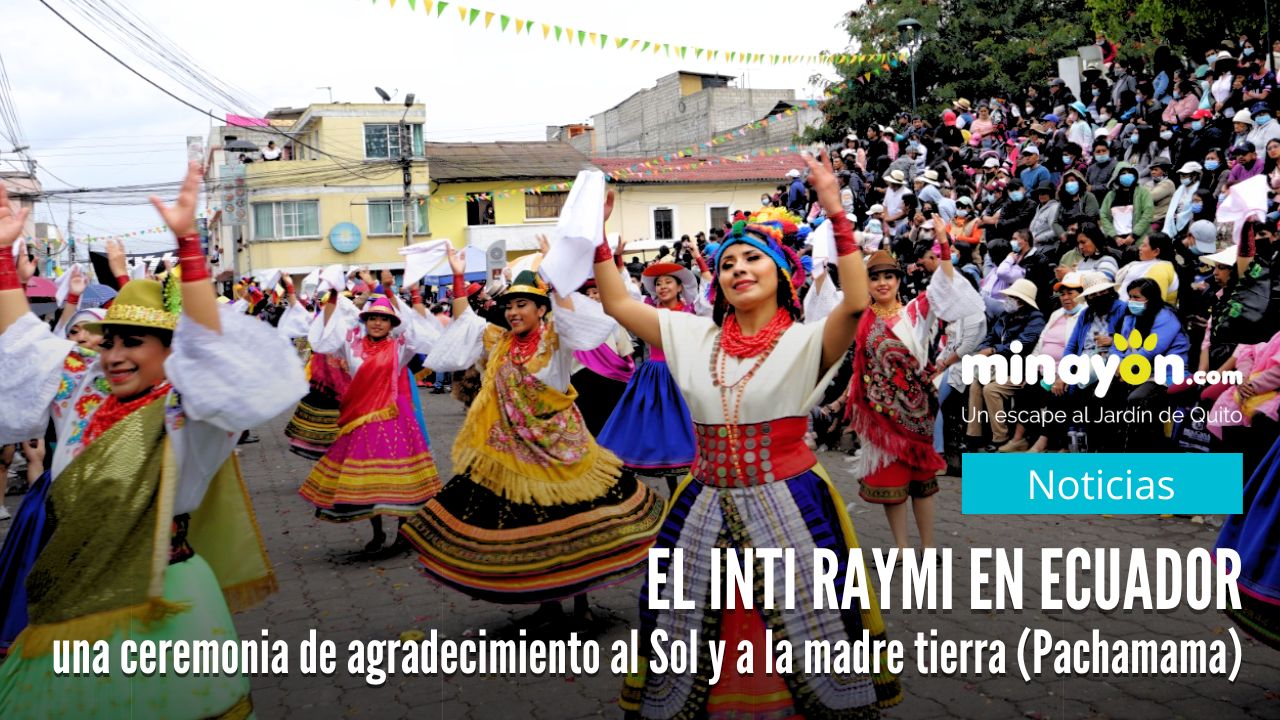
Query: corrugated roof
{"points": [[763, 168], [454, 162]]}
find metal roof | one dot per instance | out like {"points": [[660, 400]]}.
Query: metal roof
{"points": [[459, 162]]}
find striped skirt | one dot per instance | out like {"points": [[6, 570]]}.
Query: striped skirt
{"points": [[383, 467], [314, 425], [804, 512], [1255, 535], [490, 548]]}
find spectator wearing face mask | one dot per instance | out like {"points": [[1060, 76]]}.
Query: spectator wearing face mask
{"points": [[1127, 209], [1125, 82], [1019, 320], [1205, 136], [1140, 148], [1033, 172], [1182, 203], [1075, 200], [1264, 127], [1099, 173], [1015, 213], [1259, 82], [1161, 189], [1184, 102], [1043, 232]]}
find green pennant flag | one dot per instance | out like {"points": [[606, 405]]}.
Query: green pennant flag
{"points": [[558, 31], [582, 37], [413, 4], [645, 47], [619, 42], [502, 22], [474, 14], [681, 50], [697, 52], [603, 38], [440, 6]]}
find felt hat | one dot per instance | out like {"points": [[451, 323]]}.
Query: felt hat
{"points": [[688, 284], [881, 261], [930, 177], [378, 306], [895, 177], [1024, 290], [1096, 288], [527, 285], [139, 304]]}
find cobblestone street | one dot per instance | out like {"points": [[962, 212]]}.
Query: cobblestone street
{"points": [[328, 586]]}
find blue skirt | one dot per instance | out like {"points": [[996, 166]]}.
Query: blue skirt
{"points": [[1256, 536], [650, 429], [21, 546]]}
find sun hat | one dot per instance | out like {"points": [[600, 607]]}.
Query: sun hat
{"points": [[688, 284], [377, 306], [1225, 257], [1079, 107], [990, 163], [1024, 290], [1243, 116], [1072, 279], [929, 177], [963, 104], [1096, 288], [793, 173], [895, 177], [139, 304]]}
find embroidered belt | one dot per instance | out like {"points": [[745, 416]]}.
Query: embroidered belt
{"points": [[766, 452]]}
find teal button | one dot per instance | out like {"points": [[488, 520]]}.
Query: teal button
{"points": [[1102, 483]]}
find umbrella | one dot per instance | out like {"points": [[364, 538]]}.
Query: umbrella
{"points": [[39, 287], [240, 146]]}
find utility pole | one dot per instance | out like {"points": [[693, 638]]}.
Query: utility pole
{"points": [[71, 233], [406, 166]]}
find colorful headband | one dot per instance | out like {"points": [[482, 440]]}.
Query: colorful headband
{"points": [[767, 238]]}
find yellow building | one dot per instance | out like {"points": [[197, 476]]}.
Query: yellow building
{"points": [[336, 195], [658, 209], [480, 191]]}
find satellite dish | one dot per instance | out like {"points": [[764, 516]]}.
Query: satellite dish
{"points": [[382, 94]]}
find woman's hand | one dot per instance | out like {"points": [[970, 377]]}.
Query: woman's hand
{"points": [[181, 216], [544, 245], [116, 258], [388, 280], [457, 263], [78, 282], [1059, 387], [12, 222], [608, 205], [822, 178], [26, 265], [1102, 340], [367, 278]]}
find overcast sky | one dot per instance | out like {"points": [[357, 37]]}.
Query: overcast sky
{"points": [[90, 121]]}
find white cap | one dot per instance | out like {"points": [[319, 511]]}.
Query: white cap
{"points": [[1030, 150], [793, 173], [874, 209], [1190, 167], [851, 136], [990, 163], [1242, 116]]}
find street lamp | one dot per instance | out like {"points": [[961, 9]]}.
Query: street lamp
{"points": [[910, 32]]}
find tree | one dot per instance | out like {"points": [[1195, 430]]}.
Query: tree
{"points": [[972, 49], [1187, 25]]}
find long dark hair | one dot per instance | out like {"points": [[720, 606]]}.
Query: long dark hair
{"points": [[1162, 244], [1151, 292], [1095, 235]]}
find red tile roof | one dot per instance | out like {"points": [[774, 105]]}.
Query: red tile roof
{"points": [[767, 168]]}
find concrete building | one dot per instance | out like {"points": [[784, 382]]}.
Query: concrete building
{"points": [[335, 196], [24, 189], [655, 210], [478, 190], [685, 109]]}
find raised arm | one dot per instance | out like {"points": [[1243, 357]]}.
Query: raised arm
{"points": [[199, 301], [13, 294], [458, 265], [842, 323], [75, 286], [118, 262], [640, 319]]}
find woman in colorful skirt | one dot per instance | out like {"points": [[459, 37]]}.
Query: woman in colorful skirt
{"points": [[314, 425], [893, 402], [1255, 535], [601, 374], [650, 429], [380, 462], [149, 533], [751, 373], [538, 512]]}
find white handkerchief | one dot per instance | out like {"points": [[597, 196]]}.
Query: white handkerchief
{"points": [[332, 277], [64, 286], [823, 241], [1245, 199], [420, 258], [579, 232]]}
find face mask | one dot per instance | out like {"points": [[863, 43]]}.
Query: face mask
{"points": [[1155, 178], [1101, 157], [1166, 135], [1103, 118], [1095, 92], [1127, 180], [899, 137], [1211, 165], [1030, 110], [1140, 98], [766, 200], [1137, 306], [1067, 160], [1186, 182], [1248, 51], [1197, 125], [1261, 120], [1075, 310], [1010, 305], [1073, 187], [1016, 196], [989, 197], [1133, 139], [1197, 207], [961, 212]]}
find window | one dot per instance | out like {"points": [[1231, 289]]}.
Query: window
{"points": [[664, 223], [286, 220], [480, 209], [543, 206], [386, 217], [717, 217], [382, 141]]}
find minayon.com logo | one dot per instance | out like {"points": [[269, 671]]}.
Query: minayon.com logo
{"points": [[1081, 370]]}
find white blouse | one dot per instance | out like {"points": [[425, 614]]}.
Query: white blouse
{"points": [[416, 334], [584, 327], [219, 390]]}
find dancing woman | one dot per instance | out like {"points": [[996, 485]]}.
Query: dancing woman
{"points": [[538, 512], [149, 533], [750, 375], [601, 375], [380, 462], [892, 400]]}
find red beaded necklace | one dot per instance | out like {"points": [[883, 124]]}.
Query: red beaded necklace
{"points": [[524, 348], [734, 343], [112, 411]]}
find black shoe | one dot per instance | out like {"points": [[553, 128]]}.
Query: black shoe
{"points": [[248, 438]]}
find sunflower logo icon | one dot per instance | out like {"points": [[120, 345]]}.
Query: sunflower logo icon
{"points": [[1135, 369]]}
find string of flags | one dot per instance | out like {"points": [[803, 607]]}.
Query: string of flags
{"points": [[585, 38], [134, 233]]}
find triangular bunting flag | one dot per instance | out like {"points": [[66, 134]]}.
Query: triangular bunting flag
{"points": [[440, 6], [502, 22], [488, 18], [603, 39], [519, 26], [546, 30], [593, 37], [582, 37], [681, 50], [619, 42], [634, 43], [697, 52], [559, 30], [462, 13], [473, 15], [646, 45]]}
